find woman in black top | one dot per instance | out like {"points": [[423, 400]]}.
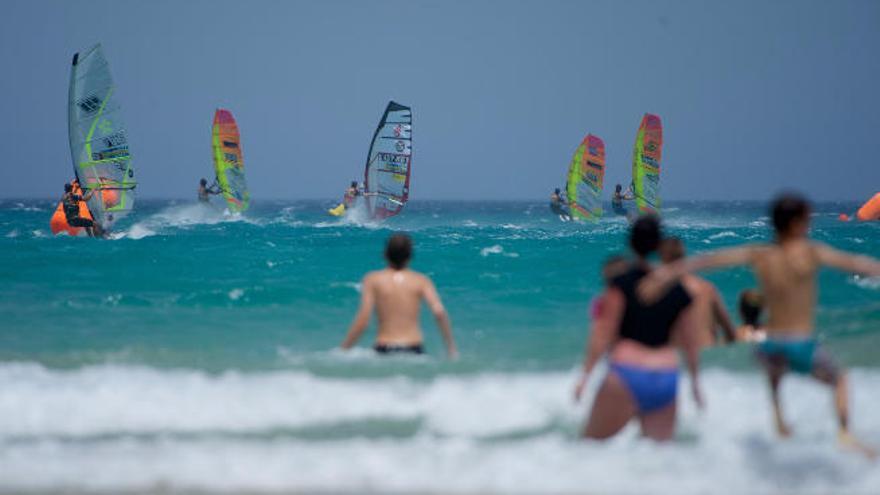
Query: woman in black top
{"points": [[641, 341]]}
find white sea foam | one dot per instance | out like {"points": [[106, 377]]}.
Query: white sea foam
{"points": [[724, 235], [114, 428], [494, 249], [235, 294], [866, 282]]}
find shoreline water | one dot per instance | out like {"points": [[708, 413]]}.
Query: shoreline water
{"points": [[194, 353]]}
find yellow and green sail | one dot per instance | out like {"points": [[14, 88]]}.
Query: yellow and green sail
{"points": [[229, 161], [646, 164], [586, 174]]}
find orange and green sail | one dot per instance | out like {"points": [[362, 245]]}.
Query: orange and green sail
{"points": [[229, 161], [646, 164], [586, 174]]}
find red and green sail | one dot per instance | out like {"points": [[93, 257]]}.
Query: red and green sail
{"points": [[229, 161], [586, 174], [646, 164]]}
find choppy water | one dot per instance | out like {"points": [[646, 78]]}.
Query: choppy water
{"points": [[195, 352]]}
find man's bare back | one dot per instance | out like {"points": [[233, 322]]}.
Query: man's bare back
{"points": [[396, 294]]}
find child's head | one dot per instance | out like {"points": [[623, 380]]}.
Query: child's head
{"points": [[751, 305], [791, 215]]}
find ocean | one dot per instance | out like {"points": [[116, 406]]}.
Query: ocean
{"points": [[196, 352]]}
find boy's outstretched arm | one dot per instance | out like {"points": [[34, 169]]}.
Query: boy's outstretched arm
{"points": [[658, 282], [847, 262]]}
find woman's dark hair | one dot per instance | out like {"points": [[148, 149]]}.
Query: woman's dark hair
{"points": [[398, 251], [786, 209], [645, 235], [68, 187]]}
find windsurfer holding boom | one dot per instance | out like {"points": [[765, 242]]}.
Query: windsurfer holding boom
{"points": [[619, 197]]}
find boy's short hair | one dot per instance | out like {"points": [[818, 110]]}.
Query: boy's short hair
{"points": [[398, 251], [786, 209]]}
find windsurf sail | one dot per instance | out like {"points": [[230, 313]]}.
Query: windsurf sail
{"points": [[98, 140], [389, 162], [586, 175], [229, 161], [646, 164]]}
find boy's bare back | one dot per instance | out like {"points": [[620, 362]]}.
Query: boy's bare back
{"points": [[787, 274]]}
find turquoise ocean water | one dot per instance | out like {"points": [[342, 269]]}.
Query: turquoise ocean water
{"points": [[195, 351]]}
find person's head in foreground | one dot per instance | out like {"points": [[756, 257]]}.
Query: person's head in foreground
{"points": [[645, 235], [791, 216], [68, 187], [618, 188], [354, 184], [203, 182], [557, 191], [671, 249], [750, 307], [398, 251]]}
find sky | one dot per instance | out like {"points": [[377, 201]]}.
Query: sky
{"points": [[755, 96]]}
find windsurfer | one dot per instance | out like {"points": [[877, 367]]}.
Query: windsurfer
{"points": [[619, 197], [787, 272], [351, 194], [70, 202], [205, 191], [396, 293], [558, 204]]}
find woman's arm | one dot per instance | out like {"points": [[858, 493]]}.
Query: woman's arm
{"points": [[603, 333]]}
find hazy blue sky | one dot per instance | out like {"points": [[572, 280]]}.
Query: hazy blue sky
{"points": [[754, 96]]}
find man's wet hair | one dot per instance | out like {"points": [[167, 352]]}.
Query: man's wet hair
{"points": [[786, 209], [751, 305], [203, 182], [671, 249], [645, 235], [618, 187], [354, 183], [398, 251], [68, 187], [557, 190]]}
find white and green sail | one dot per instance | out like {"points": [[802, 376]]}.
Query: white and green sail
{"points": [[98, 139]]}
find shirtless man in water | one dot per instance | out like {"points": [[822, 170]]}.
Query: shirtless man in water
{"points": [[786, 271], [709, 309], [397, 292]]}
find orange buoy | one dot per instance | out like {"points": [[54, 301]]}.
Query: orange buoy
{"points": [[870, 210], [110, 197], [843, 217]]}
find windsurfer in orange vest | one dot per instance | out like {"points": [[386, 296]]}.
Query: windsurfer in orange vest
{"points": [[70, 202]]}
